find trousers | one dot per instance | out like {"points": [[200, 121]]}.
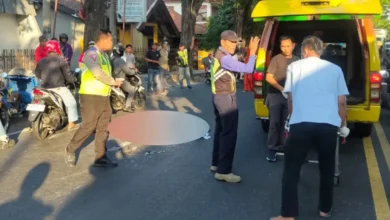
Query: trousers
{"points": [[69, 101], [184, 72], [95, 114], [126, 86], [278, 112], [303, 137], [225, 134]]}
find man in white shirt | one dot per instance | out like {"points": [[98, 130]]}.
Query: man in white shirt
{"points": [[129, 57], [317, 104]]}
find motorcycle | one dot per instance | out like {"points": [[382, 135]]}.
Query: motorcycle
{"points": [[4, 114], [17, 92], [118, 96], [47, 113]]}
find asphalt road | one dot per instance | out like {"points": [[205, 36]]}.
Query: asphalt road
{"points": [[174, 182]]}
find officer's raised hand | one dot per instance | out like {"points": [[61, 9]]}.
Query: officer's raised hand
{"points": [[253, 45]]}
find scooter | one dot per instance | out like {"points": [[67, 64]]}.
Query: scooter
{"points": [[47, 113], [17, 92], [118, 96]]}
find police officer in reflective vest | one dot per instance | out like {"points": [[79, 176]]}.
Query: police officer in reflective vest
{"points": [[225, 105], [182, 61], [95, 88]]}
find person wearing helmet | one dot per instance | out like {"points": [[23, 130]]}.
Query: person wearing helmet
{"points": [[121, 70], [90, 44], [53, 73], [66, 49]]}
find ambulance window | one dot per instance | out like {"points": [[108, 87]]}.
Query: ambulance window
{"points": [[335, 49]]}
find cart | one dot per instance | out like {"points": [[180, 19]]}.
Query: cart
{"points": [[337, 171]]}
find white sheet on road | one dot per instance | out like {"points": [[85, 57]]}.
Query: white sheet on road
{"points": [[158, 128]]}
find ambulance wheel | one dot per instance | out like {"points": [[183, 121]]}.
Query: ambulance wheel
{"points": [[363, 129], [265, 125]]}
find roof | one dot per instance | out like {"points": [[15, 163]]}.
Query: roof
{"points": [[19, 7], [156, 9], [71, 4], [67, 6], [176, 17]]}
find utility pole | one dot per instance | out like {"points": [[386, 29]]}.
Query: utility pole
{"points": [[46, 14], [112, 18], [55, 18], [124, 21]]}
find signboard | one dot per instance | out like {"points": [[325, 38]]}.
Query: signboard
{"points": [[135, 11]]}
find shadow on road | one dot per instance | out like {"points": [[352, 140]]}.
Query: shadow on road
{"points": [[20, 207]]}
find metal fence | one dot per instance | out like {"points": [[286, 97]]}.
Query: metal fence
{"points": [[12, 58], [139, 52]]}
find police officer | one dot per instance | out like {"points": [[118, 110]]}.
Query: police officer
{"points": [[95, 88], [225, 105], [182, 61]]}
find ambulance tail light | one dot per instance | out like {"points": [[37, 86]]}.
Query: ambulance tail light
{"points": [[258, 84], [375, 87]]}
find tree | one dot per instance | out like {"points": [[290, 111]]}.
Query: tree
{"points": [[190, 9], [232, 15], [243, 12], [224, 20], [382, 21], [95, 19]]}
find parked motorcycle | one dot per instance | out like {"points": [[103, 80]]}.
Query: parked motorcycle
{"points": [[118, 96], [17, 92], [4, 114], [47, 113]]}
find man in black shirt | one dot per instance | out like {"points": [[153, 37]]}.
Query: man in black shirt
{"points": [[276, 101], [53, 72], [153, 57]]}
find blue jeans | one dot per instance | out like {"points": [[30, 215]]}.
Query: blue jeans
{"points": [[154, 77], [184, 72], [69, 101]]}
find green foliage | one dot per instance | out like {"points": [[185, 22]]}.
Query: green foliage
{"points": [[382, 21], [224, 20]]}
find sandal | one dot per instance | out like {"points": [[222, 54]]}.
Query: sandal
{"points": [[73, 128]]}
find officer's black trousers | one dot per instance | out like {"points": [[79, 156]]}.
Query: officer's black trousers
{"points": [[225, 134]]}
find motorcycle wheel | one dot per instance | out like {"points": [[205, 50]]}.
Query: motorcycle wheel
{"points": [[139, 101], [116, 104], [5, 117], [37, 128]]}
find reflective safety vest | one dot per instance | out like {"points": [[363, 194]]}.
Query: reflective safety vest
{"points": [[219, 86], [184, 56], [92, 86]]}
